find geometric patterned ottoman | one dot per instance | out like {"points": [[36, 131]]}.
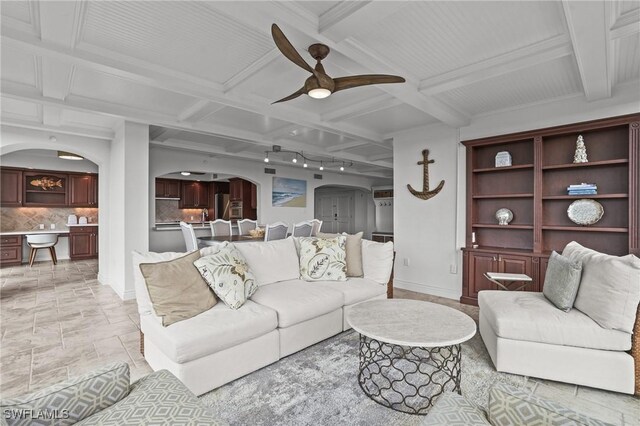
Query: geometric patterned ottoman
{"points": [[452, 409], [157, 399]]}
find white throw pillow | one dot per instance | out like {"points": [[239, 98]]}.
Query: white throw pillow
{"points": [[145, 307], [228, 275], [271, 261], [377, 260], [323, 259], [609, 290]]}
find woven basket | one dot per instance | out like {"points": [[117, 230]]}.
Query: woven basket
{"points": [[635, 351]]}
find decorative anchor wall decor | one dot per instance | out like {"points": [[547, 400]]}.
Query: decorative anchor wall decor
{"points": [[425, 194]]}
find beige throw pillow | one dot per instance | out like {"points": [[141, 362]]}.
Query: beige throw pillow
{"points": [[176, 289], [354, 252], [609, 290]]}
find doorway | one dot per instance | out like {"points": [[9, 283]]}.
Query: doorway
{"points": [[344, 209]]}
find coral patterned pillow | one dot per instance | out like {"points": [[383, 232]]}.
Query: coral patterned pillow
{"points": [[323, 259], [228, 275]]}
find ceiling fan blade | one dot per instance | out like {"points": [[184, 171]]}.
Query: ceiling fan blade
{"points": [[294, 95], [365, 80], [287, 49]]}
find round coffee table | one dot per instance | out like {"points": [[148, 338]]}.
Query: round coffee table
{"points": [[409, 351]]}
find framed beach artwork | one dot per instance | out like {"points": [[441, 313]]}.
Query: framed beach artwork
{"points": [[289, 192]]}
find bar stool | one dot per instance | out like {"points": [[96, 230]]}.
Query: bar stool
{"points": [[41, 241]]}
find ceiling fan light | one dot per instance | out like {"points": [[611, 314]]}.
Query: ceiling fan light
{"points": [[319, 93]]}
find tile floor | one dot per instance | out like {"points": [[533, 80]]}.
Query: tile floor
{"points": [[58, 321]]}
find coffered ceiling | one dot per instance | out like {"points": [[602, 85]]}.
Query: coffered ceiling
{"points": [[204, 74]]}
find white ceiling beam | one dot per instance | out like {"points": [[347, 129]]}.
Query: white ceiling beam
{"points": [[64, 129], [251, 156], [237, 147], [349, 18], [380, 156], [30, 94], [164, 79], [625, 25], [164, 133], [199, 110], [51, 116], [282, 130], [345, 146], [259, 17], [366, 106], [544, 51], [591, 45], [255, 67]]}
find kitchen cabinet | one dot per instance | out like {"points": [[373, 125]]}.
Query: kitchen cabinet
{"points": [[195, 195], [11, 250], [83, 190], [478, 263], [167, 188], [45, 189], [83, 242], [245, 192], [11, 195], [254, 196]]}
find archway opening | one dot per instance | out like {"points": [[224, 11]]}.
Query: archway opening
{"points": [[344, 208]]}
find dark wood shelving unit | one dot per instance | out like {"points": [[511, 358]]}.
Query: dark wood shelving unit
{"points": [[503, 169], [535, 189], [508, 227], [503, 196]]}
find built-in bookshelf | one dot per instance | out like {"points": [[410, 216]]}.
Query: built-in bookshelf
{"points": [[534, 188]]}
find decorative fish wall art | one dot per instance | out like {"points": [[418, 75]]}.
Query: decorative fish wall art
{"points": [[46, 183]]}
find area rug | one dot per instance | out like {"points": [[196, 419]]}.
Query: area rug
{"points": [[319, 386]]}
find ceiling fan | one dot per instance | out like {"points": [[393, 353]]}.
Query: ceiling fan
{"points": [[320, 85]]}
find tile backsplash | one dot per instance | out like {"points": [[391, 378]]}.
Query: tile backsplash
{"points": [[29, 218], [168, 211]]}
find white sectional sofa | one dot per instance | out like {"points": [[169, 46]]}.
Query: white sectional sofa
{"points": [[285, 315]]}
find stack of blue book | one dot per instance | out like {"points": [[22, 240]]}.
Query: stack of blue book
{"points": [[582, 189]]}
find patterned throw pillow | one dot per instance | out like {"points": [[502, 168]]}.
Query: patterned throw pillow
{"points": [[228, 274], [323, 259]]}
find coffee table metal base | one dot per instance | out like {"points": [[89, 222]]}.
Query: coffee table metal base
{"points": [[406, 378]]}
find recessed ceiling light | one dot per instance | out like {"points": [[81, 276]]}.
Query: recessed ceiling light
{"points": [[185, 173], [68, 155]]}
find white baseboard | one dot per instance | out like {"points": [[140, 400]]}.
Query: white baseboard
{"points": [[427, 289], [101, 279]]}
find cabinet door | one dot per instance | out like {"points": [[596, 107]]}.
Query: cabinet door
{"points": [[160, 188], [479, 264], [202, 195], [254, 196], [94, 243], [80, 245], [81, 191], [512, 264], [188, 198], [235, 190], [172, 188], [11, 194]]}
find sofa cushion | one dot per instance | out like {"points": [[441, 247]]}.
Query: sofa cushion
{"points": [[217, 329], [354, 252], [157, 399], [561, 281], [228, 275], [377, 260], [511, 406], [272, 261], [524, 315], [145, 307], [176, 289], [296, 301], [355, 290], [452, 409], [323, 259], [610, 287], [74, 399]]}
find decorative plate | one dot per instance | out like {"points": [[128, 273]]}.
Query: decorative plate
{"points": [[585, 212], [504, 216]]}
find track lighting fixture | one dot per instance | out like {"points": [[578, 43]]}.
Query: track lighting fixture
{"points": [[332, 163]]}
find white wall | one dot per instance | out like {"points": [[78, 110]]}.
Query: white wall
{"points": [[163, 161], [35, 159], [430, 233]]}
